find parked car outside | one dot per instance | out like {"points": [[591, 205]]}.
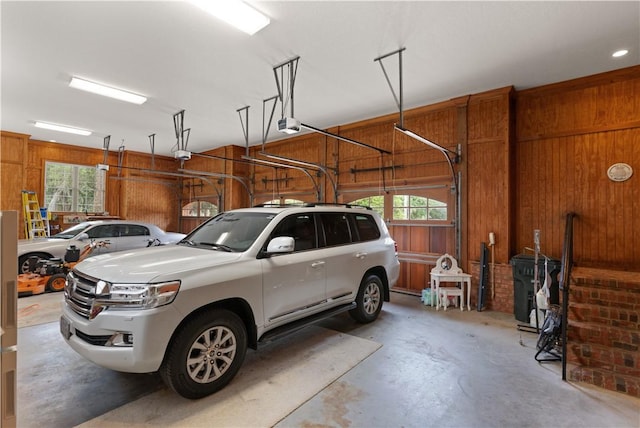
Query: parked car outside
{"points": [[244, 277], [120, 235]]}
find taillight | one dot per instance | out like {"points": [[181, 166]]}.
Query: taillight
{"points": [[395, 245]]}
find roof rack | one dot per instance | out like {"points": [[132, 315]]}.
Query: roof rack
{"points": [[335, 204], [311, 204], [278, 205]]}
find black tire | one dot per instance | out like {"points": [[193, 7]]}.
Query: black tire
{"points": [[191, 368], [56, 282], [368, 300], [23, 260]]}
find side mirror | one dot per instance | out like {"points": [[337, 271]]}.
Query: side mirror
{"points": [[82, 236], [281, 244]]}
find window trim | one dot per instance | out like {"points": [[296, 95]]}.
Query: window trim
{"points": [[99, 188]]}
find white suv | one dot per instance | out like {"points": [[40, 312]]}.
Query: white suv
{"points": [[190, 310]]}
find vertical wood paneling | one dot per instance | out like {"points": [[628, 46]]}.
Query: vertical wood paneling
{"points": [[569, 134], [488, 168], [12, 174]]}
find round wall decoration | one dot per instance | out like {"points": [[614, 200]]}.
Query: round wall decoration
{"points": [[620, 172]]}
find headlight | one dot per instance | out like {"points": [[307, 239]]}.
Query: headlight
{"points": [[133, 296]]}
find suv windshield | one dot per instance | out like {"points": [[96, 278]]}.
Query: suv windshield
{"points": [[229, 231]]}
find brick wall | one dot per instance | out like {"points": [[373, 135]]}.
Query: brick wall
{"points": [[604, 329], [502, 299]]}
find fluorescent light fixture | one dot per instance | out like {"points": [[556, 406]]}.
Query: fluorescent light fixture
{"points": [[106, 91], [236, 13], [62, 128], [619, 53]]}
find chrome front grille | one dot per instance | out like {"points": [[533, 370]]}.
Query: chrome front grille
{"points": [[80, 293]]}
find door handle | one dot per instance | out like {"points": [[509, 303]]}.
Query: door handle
{"points": [[317, 264], [361, 255]]}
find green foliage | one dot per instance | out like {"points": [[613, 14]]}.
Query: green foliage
{"points": [[412, 207], [375, 202], [73, 188]]}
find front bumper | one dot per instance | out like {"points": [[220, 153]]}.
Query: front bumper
{"points": [[151, 330]]}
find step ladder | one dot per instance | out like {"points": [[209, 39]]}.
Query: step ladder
{"points": [[35, 224]]}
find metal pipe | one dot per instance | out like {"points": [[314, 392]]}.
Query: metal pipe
{"points": [[198, 174], [339, 137], [282, 165], [389, 54]]}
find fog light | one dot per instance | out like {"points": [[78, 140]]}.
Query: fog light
{"points": [[120, 340]]}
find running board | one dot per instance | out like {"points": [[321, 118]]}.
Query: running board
{"points": [[294, 326]]}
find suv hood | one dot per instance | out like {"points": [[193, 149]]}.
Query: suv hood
{"points": [[146, 264]]}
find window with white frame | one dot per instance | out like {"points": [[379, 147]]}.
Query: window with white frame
{"points": [[199, 209], [74, 188], [412, 207]]}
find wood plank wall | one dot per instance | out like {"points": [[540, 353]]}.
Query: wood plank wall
{"points": [[13, 152], [568, 135], [489, 169], [527, 157]]}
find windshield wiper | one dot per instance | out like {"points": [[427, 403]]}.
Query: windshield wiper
{"points": [[186, 241], [218, 246]]}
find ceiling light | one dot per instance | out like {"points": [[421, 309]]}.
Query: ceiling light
{"points": [[236, 13], [621, 52], [62, 128], [107, 91]]}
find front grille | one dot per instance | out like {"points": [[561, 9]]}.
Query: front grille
{"points": [[80, 293]]}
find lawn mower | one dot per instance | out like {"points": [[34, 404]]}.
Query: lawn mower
{"points": [[51, 274]]}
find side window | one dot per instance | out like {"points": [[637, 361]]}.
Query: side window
{"points": [[336, 228], [104, 231], [301, 227], [366, 227], [133, 230], [305, 233]]}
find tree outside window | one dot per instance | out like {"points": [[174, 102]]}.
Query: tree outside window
{"points": [[74, 188], [412, 207], [375, 202], [199, 209]]}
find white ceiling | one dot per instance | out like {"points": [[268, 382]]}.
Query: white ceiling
{"points": [[181, 58]]}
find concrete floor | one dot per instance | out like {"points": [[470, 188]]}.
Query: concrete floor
{"points": [[435, 368]]}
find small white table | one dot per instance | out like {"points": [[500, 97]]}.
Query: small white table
{"points": [[464, 279], [447, 270]]}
